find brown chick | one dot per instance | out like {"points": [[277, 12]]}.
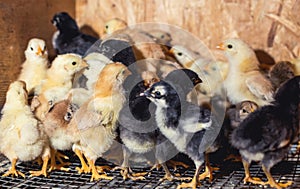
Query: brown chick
{"points": [[58, 82], [35, 66], [281, 72], [95, 121], [244, 80], [56, 124], [22, 136]]}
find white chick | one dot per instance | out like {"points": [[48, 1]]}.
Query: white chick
{"points": [[244, 80], [36, 64], [22, 136], [58, 82], [114, 25]]}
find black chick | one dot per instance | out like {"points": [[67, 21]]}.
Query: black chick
{"points": [[281, 72], [266, 134], [187, 130], [137, 126], [68, 38]]}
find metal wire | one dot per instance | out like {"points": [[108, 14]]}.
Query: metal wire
{"points": [[229, 176]]}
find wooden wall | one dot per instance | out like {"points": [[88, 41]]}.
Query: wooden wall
{"points": [[21, 20], [270, 25]]}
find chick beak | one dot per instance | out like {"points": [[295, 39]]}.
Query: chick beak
{"points": [[171, 51], [85, 64], [146, 93], [39, 51], [197, 81], [221, 46]]}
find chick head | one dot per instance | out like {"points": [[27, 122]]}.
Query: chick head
{"points": [[63, 21], [161, 36], [113, 25], [245, 108], [17, 93], [69, 63], [36, 48], [183, 55], [236, 50]]}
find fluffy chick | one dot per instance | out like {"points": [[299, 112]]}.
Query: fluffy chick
{"points": [[56, 127], [35, 67], [68, 38], [58, 82], [266, 134], [22, 136], [95, 121], [138, 130], [114, 25], [281, 72], [244, 80], [185, 129], [212, 72]]}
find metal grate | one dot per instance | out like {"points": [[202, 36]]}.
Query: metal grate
{"points": [[229, 176]]}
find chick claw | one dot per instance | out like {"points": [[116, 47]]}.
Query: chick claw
{"points": [[13, 172], [208, 173], [126, 172], [171, 177], [84, 169], [280, 185], [101, 169]]}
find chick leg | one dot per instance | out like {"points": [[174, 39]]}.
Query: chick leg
{"points": [[43, 171], [84, 167], [13, 171], [95, 174], [168, 176], [208, 170], [126, 172], [248, 177], [53, 165], [272, 182], [194, 183]]}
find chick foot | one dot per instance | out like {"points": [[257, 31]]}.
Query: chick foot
{"points": [[95, 174], [253, 180], [13, 171], [193, 184], [43, 171], [168, 176], [127, 173], [103, 168], [53, 165], [174, 164], [272, 182], [208, 173]]}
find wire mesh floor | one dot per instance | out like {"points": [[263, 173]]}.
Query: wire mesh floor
{"points": [[229, 176]]}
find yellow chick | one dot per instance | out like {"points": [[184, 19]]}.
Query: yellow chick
{"points": [[36, 64], [244, 80], [296, 66], [58, 82], [95, 121], [22, 136], [114, 25]]}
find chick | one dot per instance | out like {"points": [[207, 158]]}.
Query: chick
{"points": [[244, 80], [185, 129], [95, 121], [161, 37], [281, 72], [114, 25], [22, 136], [296, 66], [212, 72], [266, 134], [35, 67], [56, 127], [68, 38], [138, 130], [58, 82], [240, 111]]}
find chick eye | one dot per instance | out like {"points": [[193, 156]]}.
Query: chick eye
{"points": [[157, 93], [229, 46], [31, 48], [106, 26], [179, 54], [163, 36], [244, 111], [74, 63]]}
